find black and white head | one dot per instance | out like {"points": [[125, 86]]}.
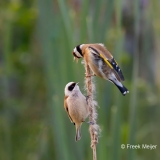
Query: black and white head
{"points": [[71, 87], [77, 51]]}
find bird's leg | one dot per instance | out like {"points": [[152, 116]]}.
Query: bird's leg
{"points": [[89, 75], [91, 123], [87, 97]]}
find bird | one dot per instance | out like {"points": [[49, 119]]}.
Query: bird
{"points": [[101, 63], [76, 106]]}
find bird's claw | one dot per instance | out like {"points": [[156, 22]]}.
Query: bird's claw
{"points": [[91, 123], [89, 75], [87, 97]]}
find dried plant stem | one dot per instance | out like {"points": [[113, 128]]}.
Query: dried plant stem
{"points": [[93, 128]]}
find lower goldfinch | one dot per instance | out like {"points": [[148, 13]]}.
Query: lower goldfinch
{"points": [[102, 63], [75, 104]]}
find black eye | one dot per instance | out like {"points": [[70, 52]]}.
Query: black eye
{"points": [[71, 87]]}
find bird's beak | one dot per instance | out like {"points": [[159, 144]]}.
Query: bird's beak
{"points": [[75, 59], [77, 83]]}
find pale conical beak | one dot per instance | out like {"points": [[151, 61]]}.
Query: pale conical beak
{"points": [[75, 59], [77, 83]]}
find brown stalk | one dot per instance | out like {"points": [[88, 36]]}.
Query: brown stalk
{"points": [[94, 128]]}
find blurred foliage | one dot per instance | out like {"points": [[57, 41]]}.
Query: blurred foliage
{"points": [[36, 62]]}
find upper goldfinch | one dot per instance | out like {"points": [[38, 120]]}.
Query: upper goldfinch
{"points": [[102, 63], [75, 104]]}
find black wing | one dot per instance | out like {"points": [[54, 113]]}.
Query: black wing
{"points": [[117, 68]]}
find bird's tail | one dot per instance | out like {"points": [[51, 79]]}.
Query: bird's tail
{"points": [[78, 133], [121, 87]]}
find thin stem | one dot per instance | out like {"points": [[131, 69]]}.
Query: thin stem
{"points": [[93, 128]]}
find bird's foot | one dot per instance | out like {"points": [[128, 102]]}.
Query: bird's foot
{"points": [[87, 97], [91, 123], [89, 75]]}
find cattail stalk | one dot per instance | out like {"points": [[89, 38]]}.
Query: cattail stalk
{"points": [[94, 128]]}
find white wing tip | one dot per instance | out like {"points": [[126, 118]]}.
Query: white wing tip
{"points": [[124, 93]]}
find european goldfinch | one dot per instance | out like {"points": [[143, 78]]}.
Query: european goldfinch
{"points": [[102, 63], [75, 104]]}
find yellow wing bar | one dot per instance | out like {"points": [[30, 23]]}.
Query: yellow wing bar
{"points": [[105, 59], [116, 61]]}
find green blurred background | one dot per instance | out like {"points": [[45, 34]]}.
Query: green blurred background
{"points": [[36, 62]]}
